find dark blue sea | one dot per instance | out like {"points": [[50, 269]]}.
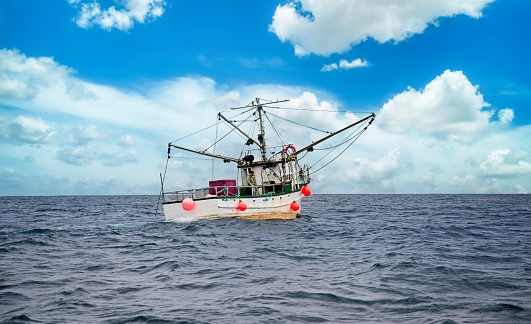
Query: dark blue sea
{"points": [[348, 259]]}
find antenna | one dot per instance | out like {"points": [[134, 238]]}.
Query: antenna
{"points": [[260, 108]]}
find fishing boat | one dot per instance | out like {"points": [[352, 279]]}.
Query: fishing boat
{"points": [[266, 186]]}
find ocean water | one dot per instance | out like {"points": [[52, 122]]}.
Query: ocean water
{"points": [[348, 259]]}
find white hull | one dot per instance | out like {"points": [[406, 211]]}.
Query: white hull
{"points": [[258, 207]]}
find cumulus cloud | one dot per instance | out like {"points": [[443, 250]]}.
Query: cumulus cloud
{"points": [[505, 163], [119, 158], [91, 14], [88, 154], [119, 133], [83, 134], [466, 181], [91, 143], [325, 27], [81, 155], [520, 189], [506, 115], [381, 175], [21, 76], [448, 108], [126, 140], [345, 65], [385, 168], [79, 91], [429, 181], [27, 129]]}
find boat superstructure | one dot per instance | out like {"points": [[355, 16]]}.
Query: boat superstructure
{"points": [[267, 186]]}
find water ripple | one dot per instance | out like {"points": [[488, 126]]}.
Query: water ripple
{"points": [[349, 258]]}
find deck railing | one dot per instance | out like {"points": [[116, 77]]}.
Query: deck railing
{"points": [[225, 191]]}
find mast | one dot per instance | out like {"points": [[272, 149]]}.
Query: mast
{"points": [[261, 136]]}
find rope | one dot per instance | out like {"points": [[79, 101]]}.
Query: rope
{"points": [[325, 110], [282, 140], [214, 152], [232, 130], [332, 148], [209, 127], [348, 138], [291, 121], [195, 133], [161, 186], [352, 142]]}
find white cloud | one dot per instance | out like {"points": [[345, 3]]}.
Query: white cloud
{"points": [[80, 155], [330, 67], [345, 65], [521, 190], [387, 167], [126, 140], [79, 91], [464, 181], [326, 27], [83, 134], [89, 154], [429, 181], [91, 144], [120, 158], [504, 163], [27, 129], [353, 64], [123, 19], [21, 77], [448, 108], [506, 115], [78, 144]]}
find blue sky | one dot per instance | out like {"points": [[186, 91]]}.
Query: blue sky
{"points": [[91, 91]]}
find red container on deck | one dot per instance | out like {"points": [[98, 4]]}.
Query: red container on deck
{"points": [[216, 186]]}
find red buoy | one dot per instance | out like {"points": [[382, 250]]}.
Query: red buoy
{"points": [[306, 191], [188, 204], [294, 206], [242, 205]]}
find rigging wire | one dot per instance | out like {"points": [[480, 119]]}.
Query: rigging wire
{"points": [[356, 136], [195, 132], [161, 193], [291, 121], [251, 134], [348, 138], [302, 157], [189, 158], [324, 110], [243, 112], [210, 126], [232, 129], [333, 148], [282, 140], [215, 141]]}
